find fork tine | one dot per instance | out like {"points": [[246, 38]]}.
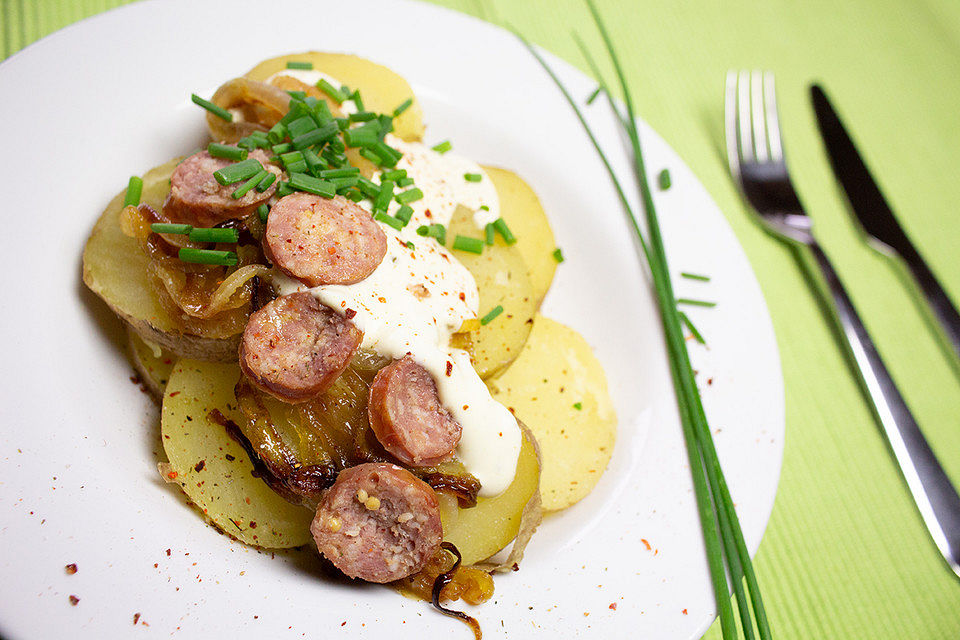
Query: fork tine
{"points": [[730, 124], [759, 121], [773, 120], [743, 117]]}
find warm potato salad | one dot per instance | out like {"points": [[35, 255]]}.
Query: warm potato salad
{"points": [[341, 324]]}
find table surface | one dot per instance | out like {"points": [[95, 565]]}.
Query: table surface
{"points": [[846, 554]]}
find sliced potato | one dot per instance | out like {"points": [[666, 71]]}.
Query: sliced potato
{"points": [[502, 279], [213, 470], [115, 268], [521, 210], [382, 90], [481, 531], [558, 389], [153, 363]]}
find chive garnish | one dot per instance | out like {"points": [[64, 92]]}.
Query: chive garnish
{"points": [[263, 211], [220, 112], [410, 245], [315, 163], [693, 330], [663, 180], [383, 198], [294, 162], [354, 196], [284, 189], [404, 182], [423, 230], [371, 155], [301, 126], [345, 172], [282, 148], [362, 116], [368, 187], [316, 136], [226, 151], [696, 303], [207, 256], [464, 243], [593, 96], [487, 319], [357, 100], [578, 406], [403, 107], [389, 155], [214, 234], [380, 216], [484, 207], [411, 195], [305, 182], [266, 181], [335, 94], [490, 233], [174, 229], [238, 171], [472, 177], [277, 133], [694, 276], [249, 184], [501, 227], [443, 147], [558, 255], [404, 213], [439, 232], [134, 191], [294, 64], [395, 175]]}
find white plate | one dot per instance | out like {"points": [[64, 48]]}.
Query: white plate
{"points": [[109, 97]]}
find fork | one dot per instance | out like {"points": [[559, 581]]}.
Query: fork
{"points": [[755, 155]]}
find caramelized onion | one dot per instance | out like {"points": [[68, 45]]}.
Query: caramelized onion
{"points": [[256, 106]]}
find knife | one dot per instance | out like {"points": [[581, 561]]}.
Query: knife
{"points": [[875, 215]]}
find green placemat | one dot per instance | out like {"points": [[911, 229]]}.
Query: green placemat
{"points": [[845, 555]]}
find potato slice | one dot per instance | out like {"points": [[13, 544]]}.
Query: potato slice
{"points": [[521, 210], [502, 279], [555, 374], [213, 470], [481, 531], [115, 268], [382, 90], [151, 362]]}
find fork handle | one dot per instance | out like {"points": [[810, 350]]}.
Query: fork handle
{"points": [[935, 497]]}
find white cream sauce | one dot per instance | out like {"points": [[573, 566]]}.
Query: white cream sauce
{"points": [[418, 297]]}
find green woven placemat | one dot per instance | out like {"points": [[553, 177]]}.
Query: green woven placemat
{"points": [[845, 555]]}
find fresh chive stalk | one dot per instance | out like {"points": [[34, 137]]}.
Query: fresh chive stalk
{"points": [[263, 211], [238, 171], [294, 64], [465, 243], [335, 94], [443, 147], [500, 226], [266, 181], [694, 276], [696, 303], [411, 195], [305, 182], [134, 191], [489, 233], [558, 255], [493, 313], [220, 112], [403, 107], [472, 177], [227, 151], [249, 184], [171, 228], [663, 179], [693, 329], [380, 216], [214, 234], [207, 256]]}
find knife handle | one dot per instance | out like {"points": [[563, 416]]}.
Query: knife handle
{"points": [[942, 307], [935, 497]]}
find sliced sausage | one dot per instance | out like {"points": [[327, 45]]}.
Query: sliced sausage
{"points": [[378, 522], [407, 417], [323, 240], [197, 198], [294, 347]]}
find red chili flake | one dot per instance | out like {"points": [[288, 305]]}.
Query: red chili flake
{"points": [[646, 544], [350, 314], [199, 466], [449, 368], [684, 612], [463, 297], [172, 475], [709, 381], [168, 552], [382, 300], [136, 618], [253, 525], [343, 623], [71, 568], [613, 606], [74, 600], [174, 394]]}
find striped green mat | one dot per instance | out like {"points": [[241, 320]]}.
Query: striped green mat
{"points": [[845, 555]]}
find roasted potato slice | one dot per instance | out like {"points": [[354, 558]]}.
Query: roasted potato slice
{"points": [[521, 210], [382, 90], [212, 469], [115, 268], [153, 363], [558, 389]]}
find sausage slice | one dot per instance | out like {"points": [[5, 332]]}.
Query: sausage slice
{"points": [[323, 240], [378, 522], [197, 198], [294, 347], [407, 417]]}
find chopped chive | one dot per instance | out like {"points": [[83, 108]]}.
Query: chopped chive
{"points": [[335, 94], [411, 195], [316, 136], [294, 64], [354, 196], [263, 211], [294, 162], [437, 231], [368, 187], [403, 107], [484, 207], [362, 116], [663, 180], [501, 226], [345, 172], [487, 319], [284, 189], [593, 96], [490, 232], [298, 109], [214, 234], [558, 255], [693, 330], [386, 125], [277, 133], [423, 230], [238, 171], [389, 154], [464, 243], [281, 148], [346, 182], [246, 143], [578, 406], [380, 216], [305, 182], [357, 100], [297, 95], [226, 151], [404, 213], [220, 112], [472, 177], [301, 126], [249, 184], [134, 191], [443, 147], [383, 198], [410, 245], [207, 256], [695, 276], [266, 181], [315, 163], [395, 175], [404, 182], [372, 156], [696, 303], [174, 229], [320, 112]]}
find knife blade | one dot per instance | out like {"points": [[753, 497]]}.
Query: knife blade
{"points": [[875, 216]]}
